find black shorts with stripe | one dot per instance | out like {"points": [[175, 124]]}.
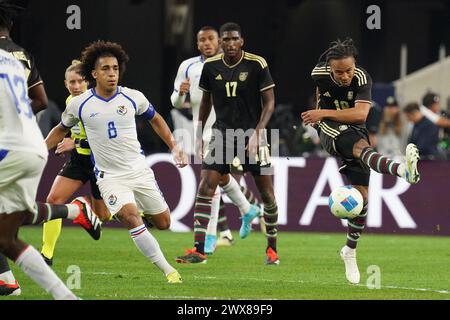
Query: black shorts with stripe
{"points": [[229, 156], [80, 168], [338, 140]]}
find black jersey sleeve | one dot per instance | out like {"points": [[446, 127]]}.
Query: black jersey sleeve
{"points": [[364, 82], [34, 78], [265, 79], [205, 84]]}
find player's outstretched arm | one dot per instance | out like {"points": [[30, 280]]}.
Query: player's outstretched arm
{"points": [[162, 129], [56, 135]]}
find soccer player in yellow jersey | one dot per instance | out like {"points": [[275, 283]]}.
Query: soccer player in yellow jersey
{"points": [[75, 172]]}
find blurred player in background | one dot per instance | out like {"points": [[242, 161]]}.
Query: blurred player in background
{"points": [[241, 87], [127, 184], [75, 172], [23, 156], [344, 96], [187, 94], [38, 97]]}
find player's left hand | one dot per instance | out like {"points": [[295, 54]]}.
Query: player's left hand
{"points": [[253, 145], [311, 116], [66, 145], [180, 157]]}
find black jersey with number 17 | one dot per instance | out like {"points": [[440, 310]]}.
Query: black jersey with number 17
{"points": [[236, 90], [337, 97]]}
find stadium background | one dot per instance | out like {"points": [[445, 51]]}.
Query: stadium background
{"points": [[291, 35]]}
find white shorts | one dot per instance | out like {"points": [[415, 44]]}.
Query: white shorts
{"points": [[20, 173], [141, 189]]}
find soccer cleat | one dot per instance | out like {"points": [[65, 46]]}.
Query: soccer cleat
{"points": [[174, 277], [247, 219], [412, 157], [192, 256], [9, 289], [210, 244], [225, 242], [48, 261], [271, 257], [87, 219], [351, 267]]}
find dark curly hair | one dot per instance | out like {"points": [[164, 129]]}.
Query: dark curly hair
{"points": [[8, 11], [100, 49], [339, 49]]}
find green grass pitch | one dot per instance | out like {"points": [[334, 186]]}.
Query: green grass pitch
{"points": [[411, 267]]}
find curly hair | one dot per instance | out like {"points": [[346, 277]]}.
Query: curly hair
{"points": [[338, 50], [100, 49], [8, 11]]}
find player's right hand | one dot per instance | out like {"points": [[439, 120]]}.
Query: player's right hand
{"points": [[66, 145], [180, 157], [184, 87]]}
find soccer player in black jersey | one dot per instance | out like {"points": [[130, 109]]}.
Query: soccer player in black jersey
{"points": [[343, 102], [241, 87], [36, 90]]}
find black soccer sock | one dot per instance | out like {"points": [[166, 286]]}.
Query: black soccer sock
{"points": [[4, 266], [222, 222], [355, 227], [378, 162], [46, 212], [270, 219], [202, 215]]}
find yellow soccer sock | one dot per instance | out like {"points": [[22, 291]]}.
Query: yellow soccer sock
{"points": [[51, 232]]}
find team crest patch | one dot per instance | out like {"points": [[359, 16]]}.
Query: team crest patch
{"points": [[112, 199], [243, 76], [350, 95], [122, 110]]}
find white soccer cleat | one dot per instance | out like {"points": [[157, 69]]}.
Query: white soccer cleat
{"points": [[351, 267], [412, 157]]}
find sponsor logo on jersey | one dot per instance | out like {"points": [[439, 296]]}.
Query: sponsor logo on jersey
{"points": [[122, 110], [243, 76], [350, 95], [112, 199], [219, 77], [94, 114]]}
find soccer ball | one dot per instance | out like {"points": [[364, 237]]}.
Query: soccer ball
{"points": [[345, 202]]}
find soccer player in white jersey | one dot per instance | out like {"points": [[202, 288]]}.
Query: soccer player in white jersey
{"points": [[23, 156], [126, 182], [186, 94]]}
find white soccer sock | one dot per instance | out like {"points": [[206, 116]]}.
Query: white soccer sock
{"points": [[32, 263], [227, 234], [215, 206], [8, 277], [73, 211], [149, 247], [233, 191]]}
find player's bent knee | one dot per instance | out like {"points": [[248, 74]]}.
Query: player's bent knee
{"points": [[162, 220], [55, 200]]}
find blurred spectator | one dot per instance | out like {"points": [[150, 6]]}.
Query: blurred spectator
{"points": [[49, 117], [425, 134], [373, 122], [431, 108], [390, 130]]}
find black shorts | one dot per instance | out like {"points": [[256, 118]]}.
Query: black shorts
{"points": [[231, 157], [338, 140], [80, 168]]}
